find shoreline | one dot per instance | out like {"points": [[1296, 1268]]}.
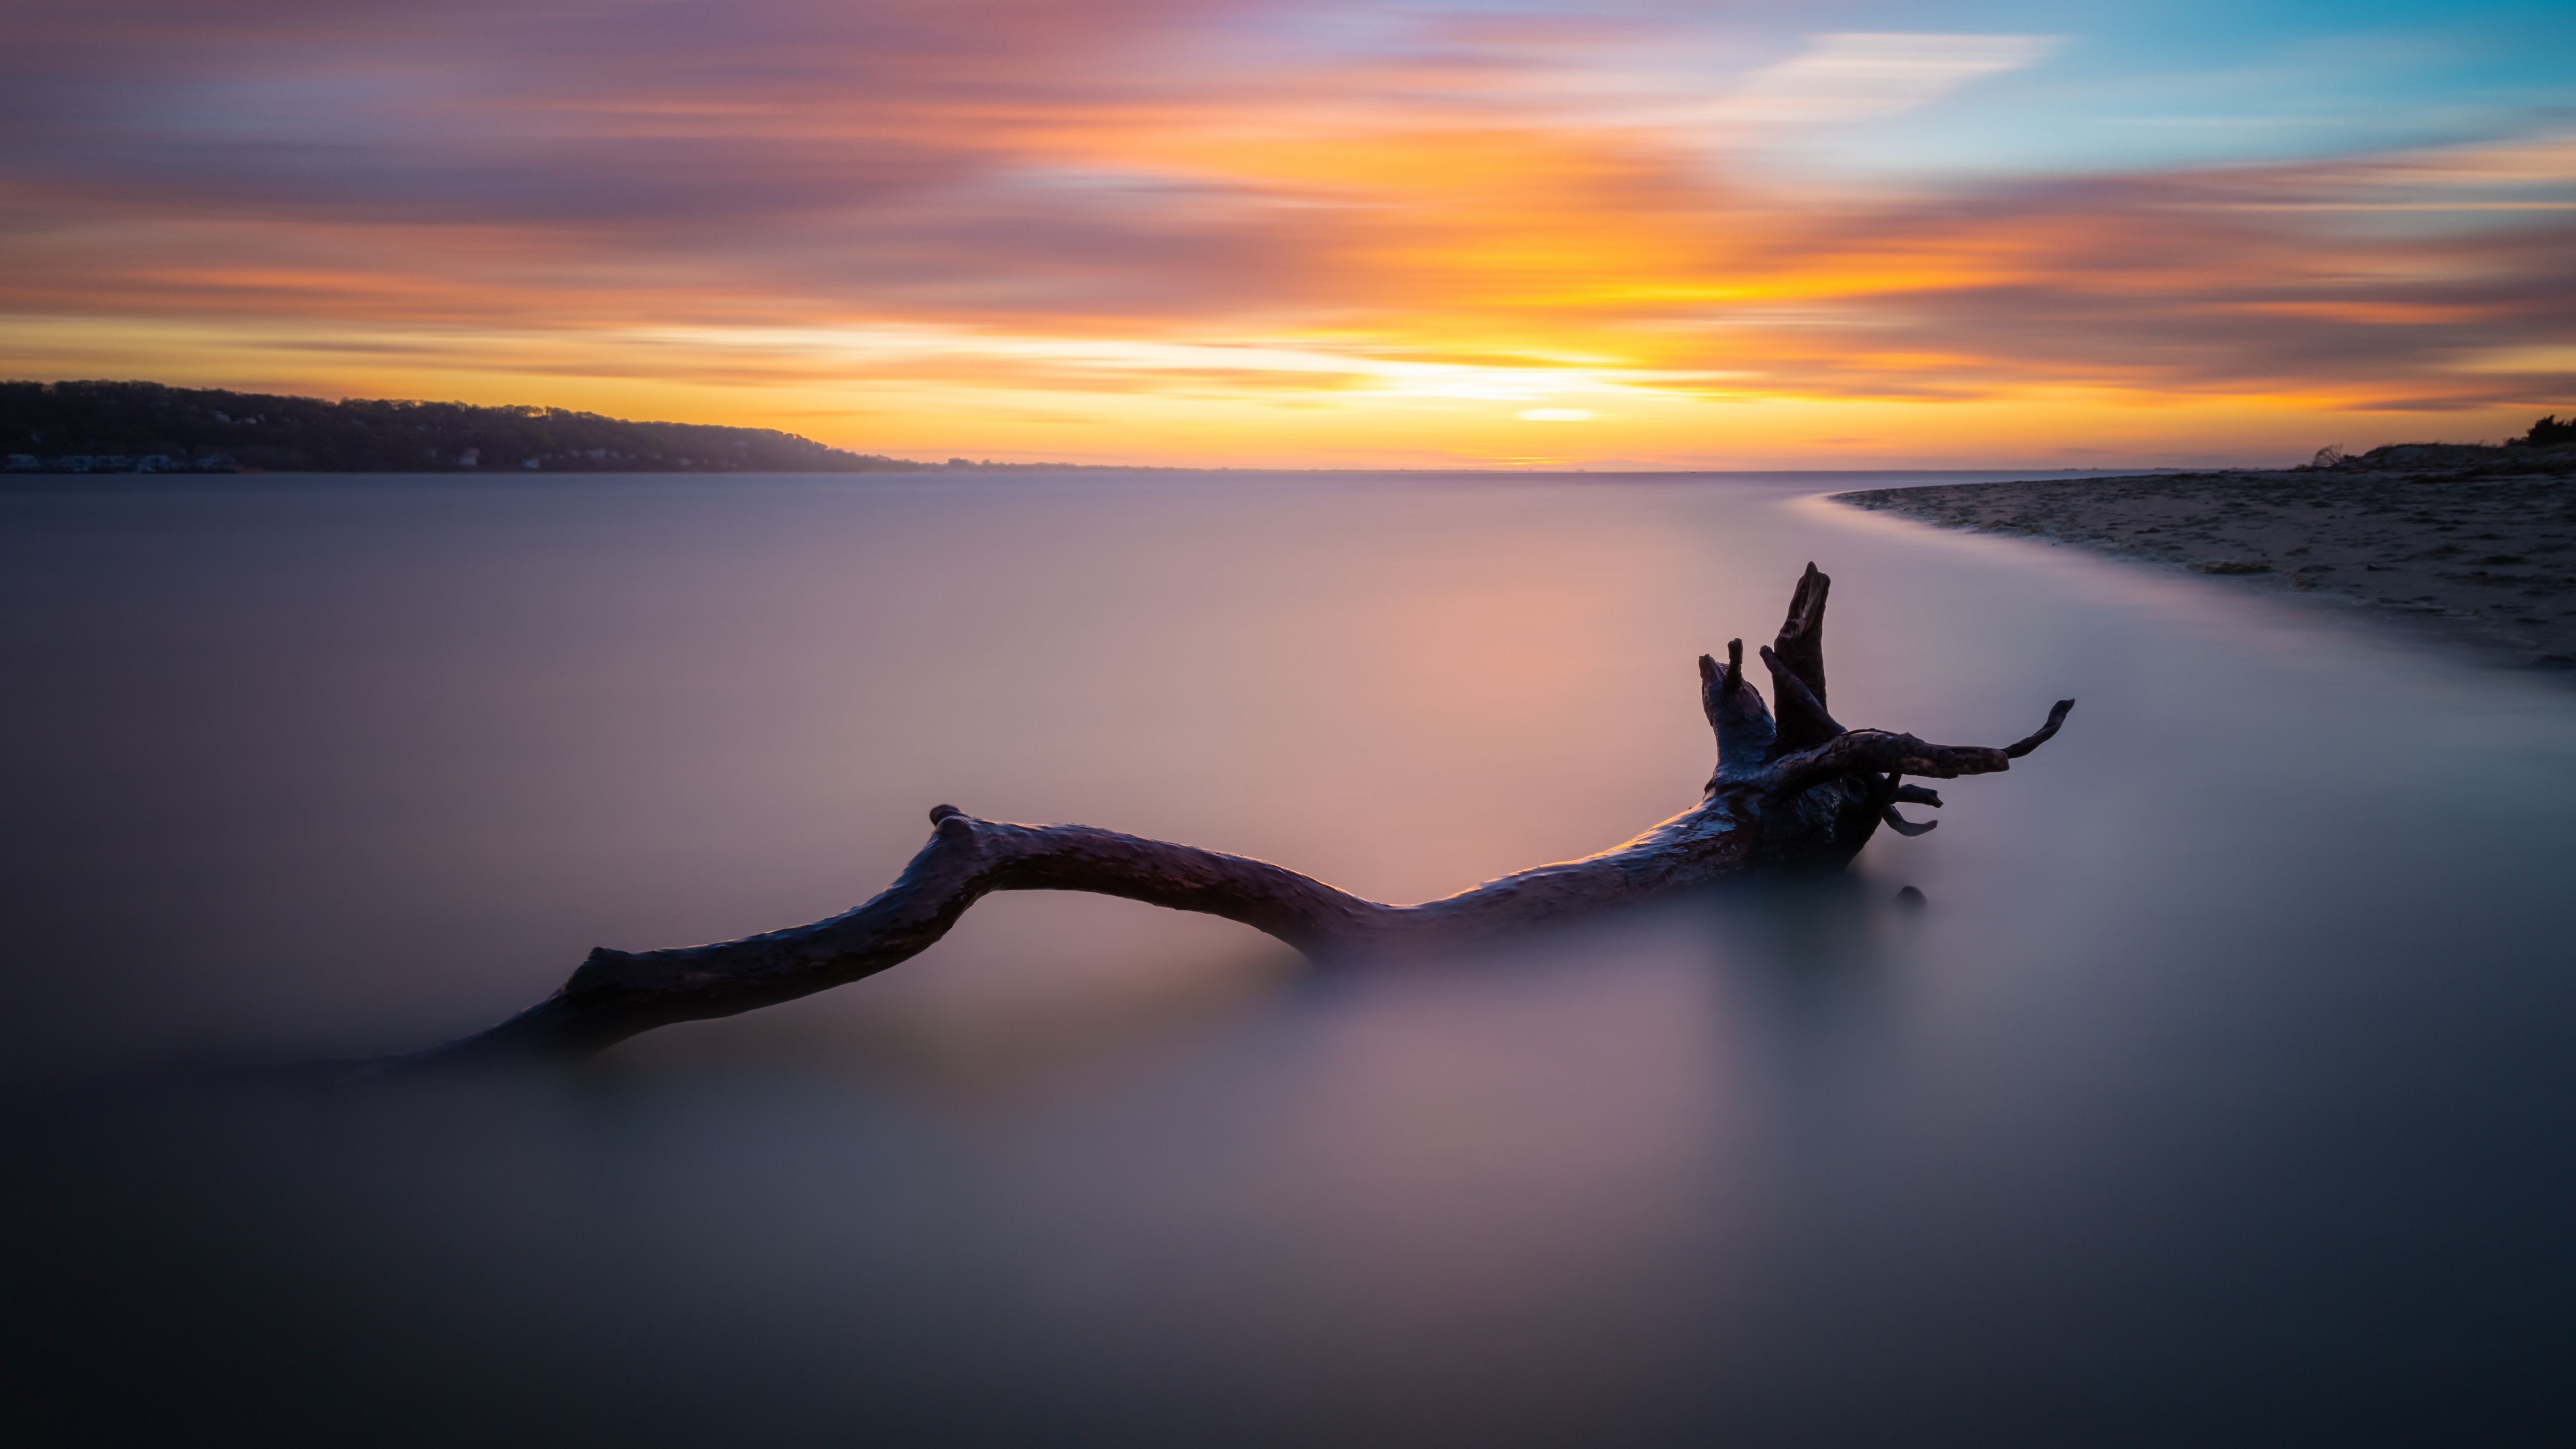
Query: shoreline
{"points": [[2475, 548]]}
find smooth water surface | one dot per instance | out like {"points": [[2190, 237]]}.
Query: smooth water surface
{"points": [[2221, 1095]]}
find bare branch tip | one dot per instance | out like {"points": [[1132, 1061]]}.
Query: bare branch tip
{"points": [[1905, 827], [2046, 732]]}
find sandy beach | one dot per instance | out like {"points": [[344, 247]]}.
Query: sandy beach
{"points": [[2473, 545]]}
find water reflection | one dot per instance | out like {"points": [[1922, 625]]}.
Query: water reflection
{"points": [[2210, 1097]]}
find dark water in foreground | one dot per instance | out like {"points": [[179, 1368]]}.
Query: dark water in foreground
{"points": [[2223, 1095]]}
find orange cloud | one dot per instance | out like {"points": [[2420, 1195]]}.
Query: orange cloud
{"points": [[956, 220]]}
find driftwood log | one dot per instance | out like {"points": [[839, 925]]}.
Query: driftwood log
{"points": [[1793, 791]]}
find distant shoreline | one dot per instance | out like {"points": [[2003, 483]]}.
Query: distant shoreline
{"points": [[159, 465], [55, 429], [930, 470], [2474, 546]]}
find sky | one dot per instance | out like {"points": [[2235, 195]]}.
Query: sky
{"points": [[1465, 233]]}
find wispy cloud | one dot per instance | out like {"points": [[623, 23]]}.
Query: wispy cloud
{"points": [[1864, 76], [1021, 209]]}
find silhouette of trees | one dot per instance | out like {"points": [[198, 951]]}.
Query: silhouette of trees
{"points": [[357, 435], [2548, 432]]}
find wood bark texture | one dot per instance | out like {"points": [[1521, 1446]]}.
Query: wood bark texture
{"points": [[1793, 791]]}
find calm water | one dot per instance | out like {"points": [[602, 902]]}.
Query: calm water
{"points": [[2223, 1095]]}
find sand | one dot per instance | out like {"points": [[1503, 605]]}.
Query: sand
{"points": [[2476, 547]]}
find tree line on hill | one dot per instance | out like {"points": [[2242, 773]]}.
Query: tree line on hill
{"points": [[120, 426]]}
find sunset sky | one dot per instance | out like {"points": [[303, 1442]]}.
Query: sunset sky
{"points": [[1403, 234]]}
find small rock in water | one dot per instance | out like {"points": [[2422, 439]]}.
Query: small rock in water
{"points": [[1909, 896]]}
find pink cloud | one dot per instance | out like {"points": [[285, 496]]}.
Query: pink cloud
{"points": [[1468, 187]]}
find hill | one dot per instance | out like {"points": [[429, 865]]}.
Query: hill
{"points": [[2549, 446], [113, 426]]}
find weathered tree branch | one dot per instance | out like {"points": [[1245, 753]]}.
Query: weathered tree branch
{"points": [[1797, 662], [1881, 752], [1798, 793], [1745, 734]]}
